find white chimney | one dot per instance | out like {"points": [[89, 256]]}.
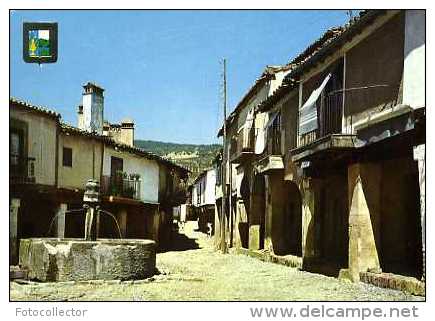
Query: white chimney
{"points": [[127, 132], [93, 108]]}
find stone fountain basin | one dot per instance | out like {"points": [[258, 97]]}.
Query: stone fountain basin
{"points": [[54, 259]]}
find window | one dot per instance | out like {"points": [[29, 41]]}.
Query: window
{"points": [[274, 134], [67, 157], [15, 147]]}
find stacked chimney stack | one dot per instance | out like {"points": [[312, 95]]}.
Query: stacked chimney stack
{"points": [[91, 115]]}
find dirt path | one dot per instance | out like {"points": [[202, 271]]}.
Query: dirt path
{"points": [[194, 271]]}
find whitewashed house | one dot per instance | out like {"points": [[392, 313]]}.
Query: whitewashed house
{"points": [[203, 198]]}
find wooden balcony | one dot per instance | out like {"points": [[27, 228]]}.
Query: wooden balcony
{"points": [[242, 146], [329, 118], [272, 159], [324, 145], [329, 136], [122, 185], [21, 169], [270, 163]]}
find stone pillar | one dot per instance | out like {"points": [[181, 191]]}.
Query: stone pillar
{"points": [[13, 230], [268, 245], [158, 220], [256, 207], [254, 236], [122, 221], [217, 224], [308, 211], [363, 255], [60, 220], [420, 157], [240, 214]]}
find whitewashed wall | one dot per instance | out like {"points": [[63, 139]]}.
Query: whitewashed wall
{"points": [[41, 138], [195, 195], [415, 59], [93, 110], [132, 164], [206, 187], [210, 186], [86, 161]]}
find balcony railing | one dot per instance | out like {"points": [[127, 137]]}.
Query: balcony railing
{"points": [[329, 118], [274, 137], [331, 114], [123, 185], [21, 169], [243, 144]]}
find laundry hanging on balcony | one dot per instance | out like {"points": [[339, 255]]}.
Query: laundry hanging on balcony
{"points": [[247, 127], [249, 119], [261, 139], [308, 112], [260, 143]]}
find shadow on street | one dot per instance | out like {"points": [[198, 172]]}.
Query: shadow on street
{"points": [[179, 241]]}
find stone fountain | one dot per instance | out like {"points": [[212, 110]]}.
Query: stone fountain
{"points": [[91, 258]]}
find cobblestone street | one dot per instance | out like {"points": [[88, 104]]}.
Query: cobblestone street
{"points": [[194, 271]]}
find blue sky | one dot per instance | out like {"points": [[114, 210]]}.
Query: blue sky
{"points": [[161, 68]]}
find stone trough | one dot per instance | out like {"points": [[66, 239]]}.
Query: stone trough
{"points": [[54, 259]]}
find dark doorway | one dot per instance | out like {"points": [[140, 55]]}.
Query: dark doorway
{"points": [[258, 210]]}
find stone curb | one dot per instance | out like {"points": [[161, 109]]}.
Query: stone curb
{"points": [[393, 281], [289, 260]]}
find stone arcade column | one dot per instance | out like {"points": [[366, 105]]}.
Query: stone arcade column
{"points": [[60, 220], [13, 230], [420, 157], [239, 218], [256, 211], [217, 225], [363, 255], [268, 244], [308, 209]]}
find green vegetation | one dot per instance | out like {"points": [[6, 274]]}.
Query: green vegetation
{"points": [[196, 158]]}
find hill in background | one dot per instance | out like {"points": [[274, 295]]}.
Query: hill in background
{"points": [[196, 158]]}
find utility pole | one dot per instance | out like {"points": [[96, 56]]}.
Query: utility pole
{"points": [[224, 162]]}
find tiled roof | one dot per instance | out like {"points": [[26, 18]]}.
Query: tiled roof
{"points": [[142, 152], [39, 109], [280, 92], [299, 60], [93, 84], [132, 149], [268, 73], [325, 45], [67, 128]]}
